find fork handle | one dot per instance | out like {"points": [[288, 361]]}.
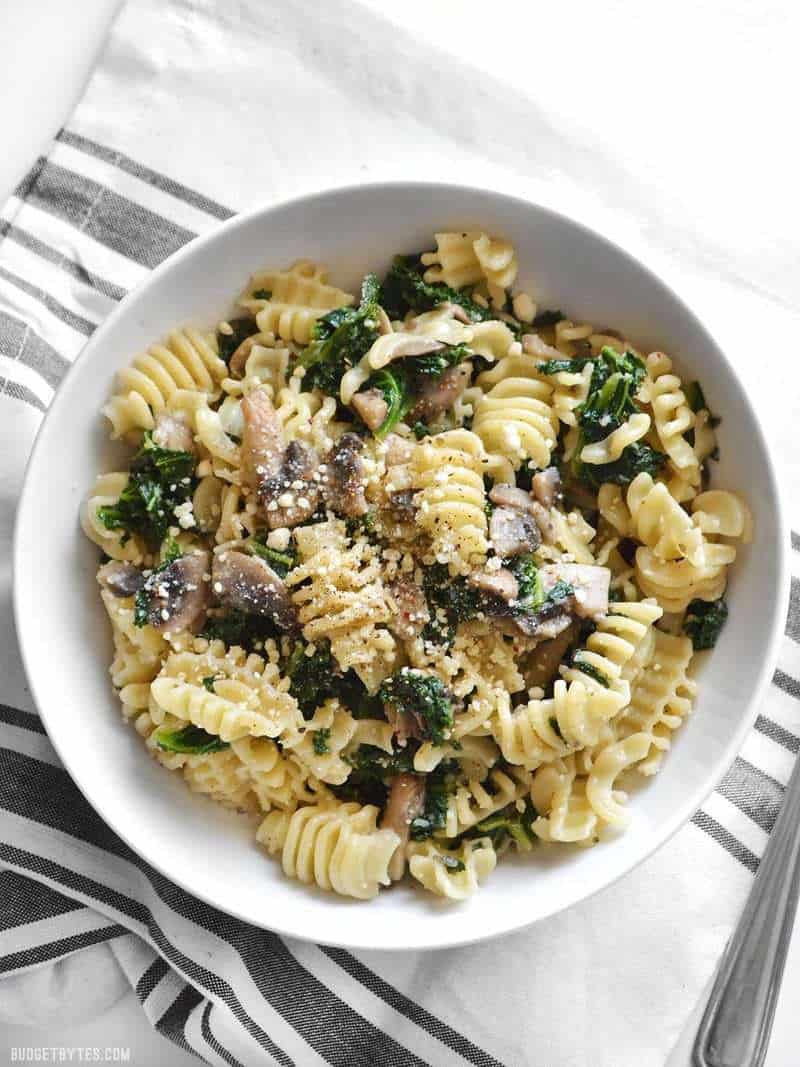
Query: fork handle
{"points": [[735, 1028]]}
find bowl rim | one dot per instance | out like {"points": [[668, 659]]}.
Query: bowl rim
{"points": [[689, 804]]}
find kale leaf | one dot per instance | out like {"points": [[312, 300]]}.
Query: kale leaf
{"points": [[229, 342], [160, 479], [313, 679], [401, 383], [240, 628], [451, 597], [280, 562], [423, 696], [340, 339], [190, 739], [405, 289], [322, 741], [704, 621], [439, 786]]}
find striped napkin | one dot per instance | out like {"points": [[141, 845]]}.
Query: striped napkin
{"points": [[198, 110]]}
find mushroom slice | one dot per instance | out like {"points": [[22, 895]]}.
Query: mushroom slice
{"points": [[440, 394], [411, 607], [178, 595], [405, 802], [589, 582], [513, 532], [291, 495], [499, 583], [345, 479], [262, 440], [399, 450], [540, 666], [509, 496], [370, 407], [172, 433], [239, 358], [547, 488], [542, 625], [120, 579], [246, 583]]}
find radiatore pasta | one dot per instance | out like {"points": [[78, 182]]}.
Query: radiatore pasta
{"points": [[414, 576]]}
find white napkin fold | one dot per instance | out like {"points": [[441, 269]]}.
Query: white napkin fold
{"points": [[658, 129]]}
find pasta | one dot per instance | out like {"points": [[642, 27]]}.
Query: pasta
{"points": [[415, 578]]}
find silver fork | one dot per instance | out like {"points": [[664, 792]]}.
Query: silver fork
{"points": [[735, 1028]]}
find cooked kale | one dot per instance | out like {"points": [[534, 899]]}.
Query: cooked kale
{"points": [[280, 562], [340, 339], [453, 597], [240, 628], [611, 400], [372, 769], [160, 479], [636, 459], [423, 696], [402, 382], [229, 342], [704, 621], [404, 289], [591, 671], [208, 682], [439, 785], [315, 678], [362, 526], [421, 430], [190, 739], [393, 385], [141, 602], [510, 823], [531, 594], [548, 318], [556, 366], [321, 741]]}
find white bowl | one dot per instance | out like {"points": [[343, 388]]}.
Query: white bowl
{"points": [[64, 634]]}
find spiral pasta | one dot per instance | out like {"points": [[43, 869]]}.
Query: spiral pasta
{"points": [[455, 875], [297, 298], [340, 597], [514, 418], [187, 360], [448, 474], [337, 847]]}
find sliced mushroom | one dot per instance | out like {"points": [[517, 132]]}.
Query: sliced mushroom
{"points": [[405, 802], [405, 724], [249, 584], [513, 532], [172, 433], [411, 608], [440, 394], [262, 440], [589, 582], [540, 666], [345, 478], [178, 596], [543, 625], [120, 579], [291, 496], [399, 450], [499, 583], [510, 496], [370, 407], [403, 503], [240, 356], [547, 488], [404, 345]]}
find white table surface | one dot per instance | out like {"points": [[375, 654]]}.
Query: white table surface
{"points": [[48, 56]]}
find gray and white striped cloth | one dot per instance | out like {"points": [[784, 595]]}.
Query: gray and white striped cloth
{"points": [[198, 110]]}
